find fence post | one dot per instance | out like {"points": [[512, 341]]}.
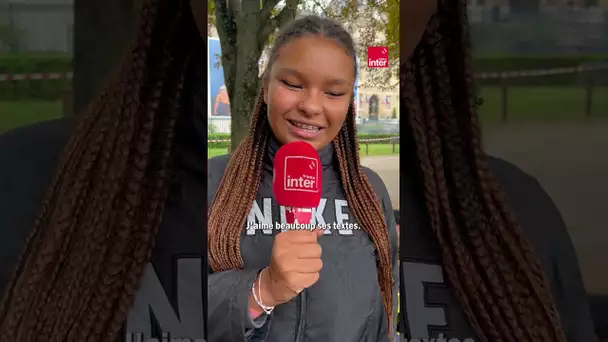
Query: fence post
{"points": [[589, 93], [14, 86], [367, 148], [67, 101], [393, 142], [505, 98]]}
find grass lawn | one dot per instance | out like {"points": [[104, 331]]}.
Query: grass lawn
{"points": [[377, 149], [542, 104], [16, 114]]}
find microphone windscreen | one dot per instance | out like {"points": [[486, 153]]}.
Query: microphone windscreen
{"points": [[296, 178]]}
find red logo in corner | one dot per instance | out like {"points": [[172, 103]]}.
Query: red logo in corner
{"points": [[377, 57]]}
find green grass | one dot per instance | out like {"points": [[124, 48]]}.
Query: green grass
{"points": [[377, 149], [373, 150], [542, 104], [16, 114]]}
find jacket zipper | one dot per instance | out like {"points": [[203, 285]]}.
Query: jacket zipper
{"points": [[302, 316]]}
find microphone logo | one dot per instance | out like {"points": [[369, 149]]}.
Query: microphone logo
{"points": [[301, 174]]}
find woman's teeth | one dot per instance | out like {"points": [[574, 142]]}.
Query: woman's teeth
{"points": [[305, 127]]}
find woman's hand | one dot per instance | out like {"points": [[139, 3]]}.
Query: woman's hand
{"points": [[295, 264]]}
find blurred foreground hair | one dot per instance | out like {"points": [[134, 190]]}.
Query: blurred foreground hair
{"points": [[488, 262], [85, 256]]}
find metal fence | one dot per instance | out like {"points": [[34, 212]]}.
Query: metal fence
{"points": [[586, 96]]}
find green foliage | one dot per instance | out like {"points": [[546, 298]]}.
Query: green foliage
{"points": [[210, 14], [388, 10], [372, 23], [392, 27], [9, 38], [394, 116]]}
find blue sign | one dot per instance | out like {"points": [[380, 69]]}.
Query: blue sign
{"points": [[218, 101]]}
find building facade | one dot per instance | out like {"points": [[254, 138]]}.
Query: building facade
{"points": [[376, 102]]}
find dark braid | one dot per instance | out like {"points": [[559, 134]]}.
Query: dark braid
{"points": [[77, 277], [487, 260], [232, 204]]}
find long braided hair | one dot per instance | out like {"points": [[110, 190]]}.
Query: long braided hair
{"points": [[245, 168], [490, 265], [77, 277]]}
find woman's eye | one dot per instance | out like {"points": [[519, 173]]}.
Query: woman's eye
{"points": [[291, 85], [334, 94]]}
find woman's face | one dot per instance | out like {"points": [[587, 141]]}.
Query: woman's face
{"points": [[309, 90]]}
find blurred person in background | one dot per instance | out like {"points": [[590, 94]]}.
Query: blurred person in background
{"points": [[222, 102], [485, 253]]}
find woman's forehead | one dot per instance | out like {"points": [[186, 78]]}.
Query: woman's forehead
{"points": [[315, 56]]}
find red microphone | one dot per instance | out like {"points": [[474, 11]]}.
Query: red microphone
{"points": [[296, 181]]}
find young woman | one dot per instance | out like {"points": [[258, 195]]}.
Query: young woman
{"points": [[334, 286], [485, 254], [117, 249]]}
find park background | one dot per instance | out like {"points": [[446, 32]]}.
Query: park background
{"points": [[541, 69]]}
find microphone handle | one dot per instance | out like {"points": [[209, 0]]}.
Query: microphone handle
{"points": [[298, 215]]}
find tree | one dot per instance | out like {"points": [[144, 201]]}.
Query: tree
{"points": [[246, 27], [372, 23]]}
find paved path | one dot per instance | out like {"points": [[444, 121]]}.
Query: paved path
{"points": [[571, 162], [387, 167]]}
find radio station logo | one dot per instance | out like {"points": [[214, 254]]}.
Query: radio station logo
{"points": [[377, 57], [301, 174]]}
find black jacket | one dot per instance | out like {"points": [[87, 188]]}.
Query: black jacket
{"points": [[345, 305]]}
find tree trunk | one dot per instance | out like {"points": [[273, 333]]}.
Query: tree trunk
{"points": [[243, 33], [245, 88], [102, 31], [242, 102]]}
